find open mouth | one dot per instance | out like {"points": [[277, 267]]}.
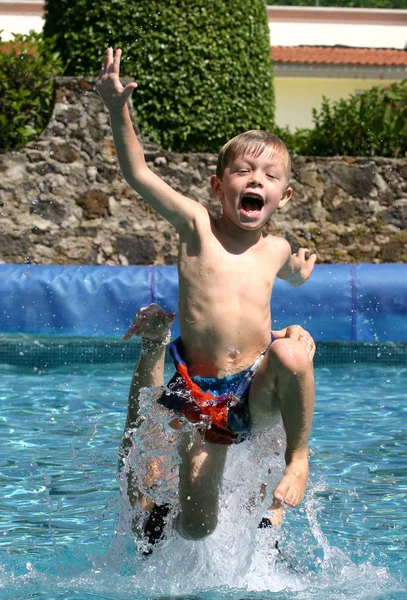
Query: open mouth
{"points": [[252, 204]]}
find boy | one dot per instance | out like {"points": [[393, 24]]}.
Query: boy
{"points": [[153, 325], [227, 268]]}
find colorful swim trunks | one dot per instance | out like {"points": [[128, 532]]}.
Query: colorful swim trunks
{"points": [[219, 407]]}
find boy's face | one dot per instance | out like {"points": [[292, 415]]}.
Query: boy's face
{"points": [[252, 189]]}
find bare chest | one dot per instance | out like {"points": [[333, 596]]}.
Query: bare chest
{"points": [[247, 273]]}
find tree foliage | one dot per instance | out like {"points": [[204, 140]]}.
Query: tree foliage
{"points": [[28, 65], [203, 66]]}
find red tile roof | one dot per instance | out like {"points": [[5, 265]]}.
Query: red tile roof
{"points": [[339, 55], [17, 46]]}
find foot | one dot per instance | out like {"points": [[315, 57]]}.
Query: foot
{"points": [[291, 488], [155, 525], [151, 323]]}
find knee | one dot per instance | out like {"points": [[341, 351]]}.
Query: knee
{"points": [[290, 357], [195, 530]]}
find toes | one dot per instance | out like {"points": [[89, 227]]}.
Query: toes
{"points": [[291, 499], [281, 491], [288, 493]]}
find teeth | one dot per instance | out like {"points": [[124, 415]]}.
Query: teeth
{"points": [[254, 197]]}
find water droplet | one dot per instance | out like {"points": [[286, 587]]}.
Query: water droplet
{"points": [[233, 352]]}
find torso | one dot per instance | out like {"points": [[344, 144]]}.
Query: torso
{"points": [[225, 295]]}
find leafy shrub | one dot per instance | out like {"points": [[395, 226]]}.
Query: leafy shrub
{"points": [[297, 142], [203, 66], [28, 65], [370, 124]]}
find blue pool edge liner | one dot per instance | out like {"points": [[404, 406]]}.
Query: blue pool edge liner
{"points": [[364, 302]]}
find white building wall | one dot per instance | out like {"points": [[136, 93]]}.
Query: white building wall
{"points": [[296, 96], [332, 34], [356, 27], [19, 24]]}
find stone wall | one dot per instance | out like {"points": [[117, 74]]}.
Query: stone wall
{"points": [[63, 199]]}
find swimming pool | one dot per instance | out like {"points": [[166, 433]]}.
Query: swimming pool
{"points": [[63, 393], [60, 498]]}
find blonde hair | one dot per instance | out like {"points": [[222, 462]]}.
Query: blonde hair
{"points": [[255, 143]]}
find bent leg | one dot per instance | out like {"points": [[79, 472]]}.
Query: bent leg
{"points": [[285, 384]]}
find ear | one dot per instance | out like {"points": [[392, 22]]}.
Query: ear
{"points": [[216, 186], [288, 192]]}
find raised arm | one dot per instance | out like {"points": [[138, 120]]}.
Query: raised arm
{"points": [[298, 267], [179, 210]]}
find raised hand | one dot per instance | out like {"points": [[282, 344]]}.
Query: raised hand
{"points": [[151, 322], [303, 263], [113, 94]]}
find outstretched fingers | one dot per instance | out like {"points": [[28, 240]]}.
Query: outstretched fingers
{"points": [[108, 58], [309, 265], [307, 262], [108, 84], [116, 60], [306, 256], [111, 63]]}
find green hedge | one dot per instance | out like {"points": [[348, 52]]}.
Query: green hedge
{"points": [[203, 66], [371, 124], [28, 65]]}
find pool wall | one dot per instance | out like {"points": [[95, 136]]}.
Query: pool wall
{"points": [[363, 302]]}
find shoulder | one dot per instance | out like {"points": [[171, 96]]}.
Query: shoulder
{"points": [[200, 221], [279, 245], [279, 251]]}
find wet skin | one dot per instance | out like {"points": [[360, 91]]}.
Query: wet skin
{"points": [[227, 267]]}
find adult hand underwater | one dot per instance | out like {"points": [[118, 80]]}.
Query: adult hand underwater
{"points": [[241, 380]]}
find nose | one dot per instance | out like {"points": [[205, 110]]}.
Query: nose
{"points": [[256, 179]]}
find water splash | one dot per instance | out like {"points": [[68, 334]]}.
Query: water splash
{"points": [[149, 464], [238, 560]]}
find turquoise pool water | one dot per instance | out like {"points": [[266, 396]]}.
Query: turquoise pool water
{"points": [[60, 502]]}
